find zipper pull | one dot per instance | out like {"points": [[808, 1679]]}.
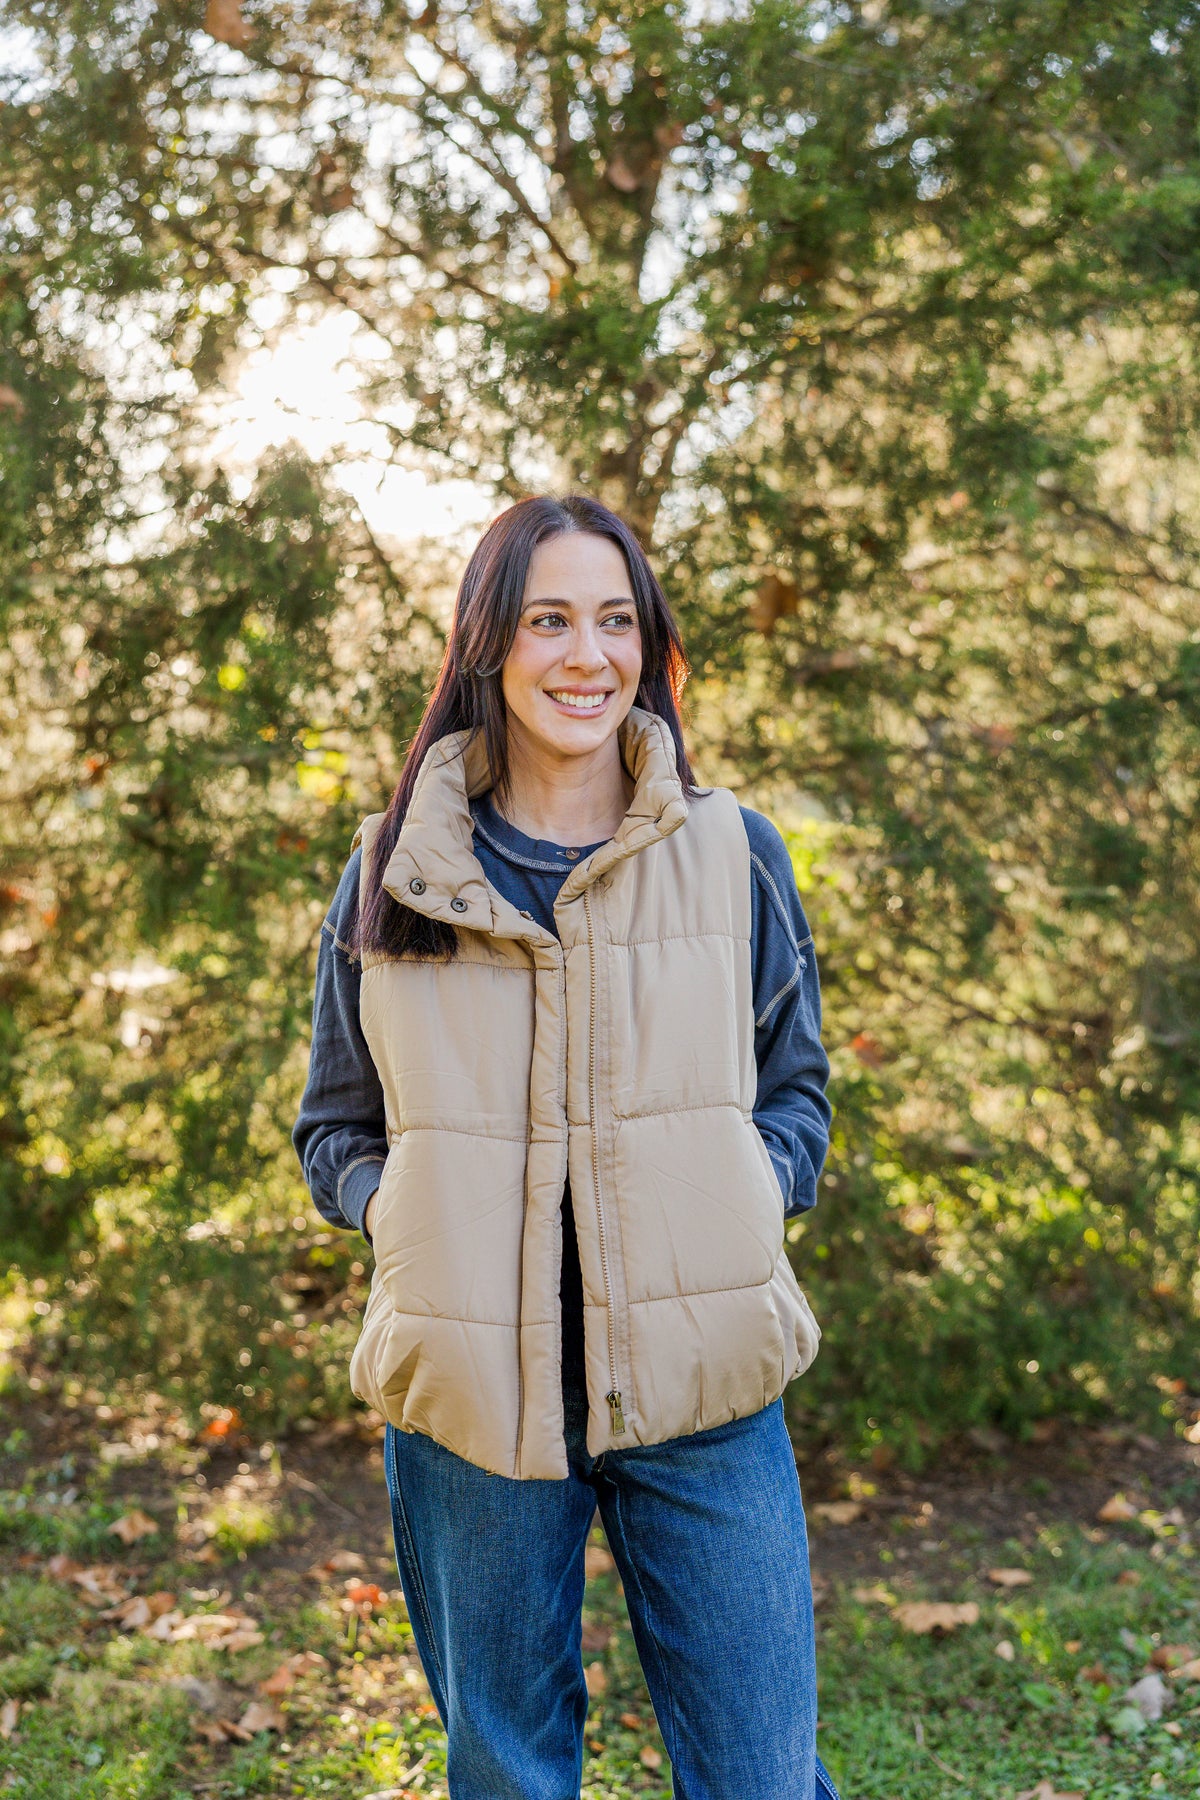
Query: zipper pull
{"points": [[618, 1417]]}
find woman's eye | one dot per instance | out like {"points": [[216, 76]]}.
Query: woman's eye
{"points": [[622, 619]]}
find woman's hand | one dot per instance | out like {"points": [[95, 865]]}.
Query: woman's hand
{"points": [[369, 1215]]}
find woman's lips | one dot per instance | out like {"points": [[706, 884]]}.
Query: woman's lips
{"points": [[580, 712]]}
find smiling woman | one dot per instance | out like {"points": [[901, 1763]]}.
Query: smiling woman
{"points": [[567, 1079]]}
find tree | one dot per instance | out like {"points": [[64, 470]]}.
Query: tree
{"points": [[878, 321]]}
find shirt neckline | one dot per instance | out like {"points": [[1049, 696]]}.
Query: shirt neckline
{"points": [[531, 853]]}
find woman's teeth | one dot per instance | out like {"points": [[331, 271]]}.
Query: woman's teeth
{"points": [[581, 702]]}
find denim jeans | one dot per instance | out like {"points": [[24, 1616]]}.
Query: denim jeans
{"points": [[709, 1539]]}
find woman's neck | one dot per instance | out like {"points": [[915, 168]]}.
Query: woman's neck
{"points": [[577, 801]]}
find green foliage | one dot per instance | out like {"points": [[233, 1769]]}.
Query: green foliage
{"points": [[879, 322]]}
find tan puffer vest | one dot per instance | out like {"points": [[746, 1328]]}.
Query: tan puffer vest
{"points": [[625, 1054]]}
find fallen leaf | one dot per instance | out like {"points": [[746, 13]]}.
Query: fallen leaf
{"points": [[632, 1722], [223, 20], [1151, 1696], [1128, 1578], [649, 1757], [261, 1716], [1010, 1578], [837, 1512], [597, 1561], [1117, 1510], [1073, 1645], [1170, 1656], [140, 1610], [344, 1562], [1189, 1671], [133, 1525], [596, 1679], [1097, 1674], [874, 1596], [1005, 1651], [935, 1615], [1046, 1790], [289, 1672], [221, 1731], [100, 1585], [10, 1712]]}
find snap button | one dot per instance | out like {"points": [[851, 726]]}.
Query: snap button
{"points": [[458, 904], [416, 885], [572, 854], [526, 915]]}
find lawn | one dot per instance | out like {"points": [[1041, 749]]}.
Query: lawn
{"points": [[250, 1637]]}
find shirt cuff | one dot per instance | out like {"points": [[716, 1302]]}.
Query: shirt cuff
{"points": [[357, 1182]]}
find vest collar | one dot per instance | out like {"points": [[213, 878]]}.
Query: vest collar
{"points": [[434, 869]]}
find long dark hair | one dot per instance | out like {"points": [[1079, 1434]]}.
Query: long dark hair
{"points": [[468, 690]]}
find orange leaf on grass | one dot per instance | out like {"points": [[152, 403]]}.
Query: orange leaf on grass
{"points": [[1009, 1578]]}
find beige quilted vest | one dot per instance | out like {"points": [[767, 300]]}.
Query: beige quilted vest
{"points": [[624, 1053]]}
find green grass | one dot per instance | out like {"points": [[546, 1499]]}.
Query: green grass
{"points": [[901, 1716]]}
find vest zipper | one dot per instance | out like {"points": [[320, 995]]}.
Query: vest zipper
{"points": [[614, 1394]]}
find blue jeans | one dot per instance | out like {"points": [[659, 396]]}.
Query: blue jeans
{"points": [[709, 1539]]}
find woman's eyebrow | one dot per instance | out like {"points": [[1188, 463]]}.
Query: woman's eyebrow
{"points": [[554, 600]]}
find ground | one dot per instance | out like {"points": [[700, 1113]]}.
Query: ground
{"points": [[269, 1652]]}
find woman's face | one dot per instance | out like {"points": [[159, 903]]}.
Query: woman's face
{"points": [[572, 672]]}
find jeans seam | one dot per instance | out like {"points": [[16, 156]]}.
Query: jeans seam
{"points": [[410, 1551], [635, 1573], [825, 1782]]}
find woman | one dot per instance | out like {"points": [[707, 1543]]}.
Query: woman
{"points": [[567, 1080]]}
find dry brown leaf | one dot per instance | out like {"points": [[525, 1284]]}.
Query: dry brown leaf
{"points": [[223, 20], [133, 1525], [633, 1721], [1046, 1790], [1098, 1675], [140, 1610], [1005, 1651], [1010, 1578], [365, 1593], [1117, 1510], [1170, 1656], [1189, 1671], [1129, 1578], [260, 1715], [837, 1512], [344, 1562], [289, 1672], [10, 400], [649, 1757], [597, 1561], [935, 1615], [874, 1596], [596, 1678], [10, 1712], [100, 1585]]}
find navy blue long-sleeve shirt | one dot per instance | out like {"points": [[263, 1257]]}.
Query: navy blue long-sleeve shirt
{"points": [[340, 1134]]}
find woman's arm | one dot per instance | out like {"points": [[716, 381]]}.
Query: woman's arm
{"points": [[791, 1109], [340, 1134]]}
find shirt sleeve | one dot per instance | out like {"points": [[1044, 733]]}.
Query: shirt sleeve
{"points": [[340, 1134], [791, 1107]]}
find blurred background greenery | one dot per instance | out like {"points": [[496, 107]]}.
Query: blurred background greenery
{"points": [[878, 318]]}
